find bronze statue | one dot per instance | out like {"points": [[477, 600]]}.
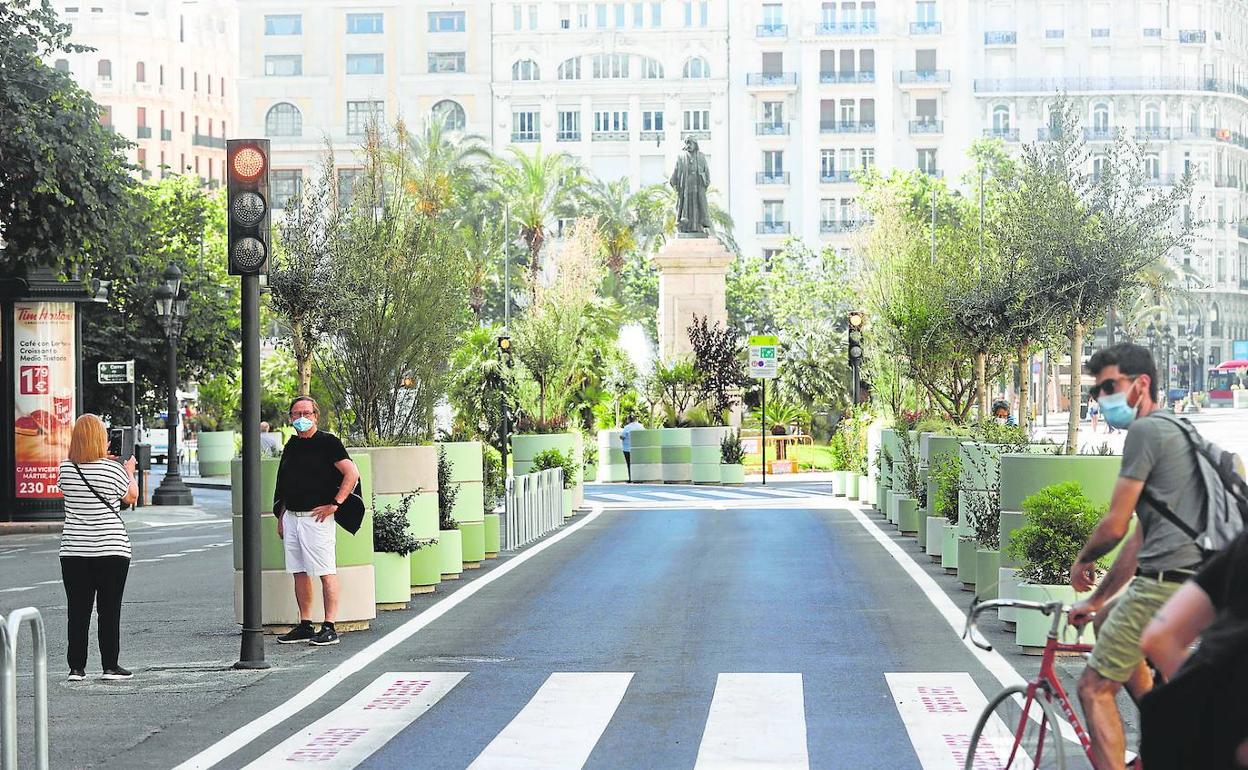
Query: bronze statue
{"points": [[691, 178]]}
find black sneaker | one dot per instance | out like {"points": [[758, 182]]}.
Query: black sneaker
{"points": [[325, 637], [117, 673], [76, 675], [300, 633]]}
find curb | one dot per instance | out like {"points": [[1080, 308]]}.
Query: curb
{"points": [[30, 527], [205, 484]]}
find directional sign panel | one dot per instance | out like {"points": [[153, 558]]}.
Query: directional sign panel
{"points": [[115, 372], [764, 359]]}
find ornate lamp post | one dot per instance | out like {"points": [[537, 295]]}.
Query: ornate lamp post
{"points": [[171, 306]]}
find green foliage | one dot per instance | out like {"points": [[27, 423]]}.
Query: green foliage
{"points": [[495, 478], [477, 384], [675, 385], [815, 371], [390, 533], [219, 402], [591, 451], [911, 478], [1059, 520], [553, 458], [730, 450], [947, 472], [983, 507], [1104, 449], [539, 188], [279, 380], [849, 442], [448, 491], [718, 359], [992, 432], [782, 411]]}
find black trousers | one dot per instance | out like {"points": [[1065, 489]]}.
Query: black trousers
{"points": [[99, 582], [1196, 720], [628, 463]]}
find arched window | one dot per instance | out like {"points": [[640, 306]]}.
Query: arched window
{"points": [[450, 115], [525, 69], [1100, 118], [696, 68], [570, 69], [610, 66], [1000, 119], [104, 69], [62, 65], [1152, 117], [283, 119], [651, 69], [140, 72]]}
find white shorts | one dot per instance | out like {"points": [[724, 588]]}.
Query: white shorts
{"points": [[309, 545]]}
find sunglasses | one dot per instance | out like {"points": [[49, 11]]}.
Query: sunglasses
{"points": [[1108, 387]]}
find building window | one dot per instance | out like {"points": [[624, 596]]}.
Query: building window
{"points": [[639, 14], [773, 163], [526, 126], [827, 163], [610, 66], [447, 61], [517, 18], [652, 120], [284, 184], [283, 24], [696, 68], [925, 13], [1000, 119], [610, 121], [446, 21], [1100, 118], [140, 72], [570, 69], [1152, 166], [773, 113], [347, 178], [773, 16], [450, 114], [867, 158], [582, 15], [363, 113], [365, 23], [651, 69], [283, 65], [925, 160], [656, 14], [283, 119], [773, 212], [697, 120], [525, 69], [365, 64], [569, 126], [104, 69], [619, 15], [532, 17], [1152, 117]]}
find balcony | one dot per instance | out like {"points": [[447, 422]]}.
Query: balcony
{"points": [[848, 28], [199, 140], [771, 177], [1100, 33], [771, 79], [1001, 38], [698, 134], [1229, 182], [1004, 134], [526, 136], [566, 136], [1097, 84], [934, 173], [923, 77], [1192, 36], [1153, 33], [1100, 134], [1243, 233], [609, 136], [771, 227], [835, 177], [653, 136], [837, 225], [143, 132], [847, 77], [847, 126], [924, 28], [1151, 133], [1159, 180], [927, 126], [771, 128], [166, 134], [771, 30], [1054, 34]]}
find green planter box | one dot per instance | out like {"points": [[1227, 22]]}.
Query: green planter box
{"points": [[907, 515], [647, 456], [590, 473], [987, 573], [1022, 475], [732, 474], [677, 455], [838, 483], [1008, 579], [525, 447], [469, 502], [569, 504], [706, 474], [949, 549], [1031, 630], [466, 460], [425, 568], [450, 553], [934, 537], [1011, 521], [493, 535], [215, 450], [966, 562], [472, 535], [611, 465], [854, 485], [390, 575]]}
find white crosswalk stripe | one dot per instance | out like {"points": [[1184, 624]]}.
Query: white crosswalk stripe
{"points": [[940, 711], [755, 720]]}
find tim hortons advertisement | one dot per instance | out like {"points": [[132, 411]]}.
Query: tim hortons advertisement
{"points": [[43, 419]]}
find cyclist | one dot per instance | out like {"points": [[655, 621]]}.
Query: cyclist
{"points": [[1156, 465]]}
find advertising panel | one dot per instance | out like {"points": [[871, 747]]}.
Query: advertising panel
{"points": [[43, 419]]}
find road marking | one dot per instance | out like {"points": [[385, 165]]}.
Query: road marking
{"points": [[15, 590], [335, 676], [560, 726], [940, 711], [351, 733], [755, 720], [613, 498], [48, 582]]}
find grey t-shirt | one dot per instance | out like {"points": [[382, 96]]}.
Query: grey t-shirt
{"points": [[1157, 453]]}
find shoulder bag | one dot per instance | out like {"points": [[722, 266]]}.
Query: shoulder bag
{"points": [[116, 511]]}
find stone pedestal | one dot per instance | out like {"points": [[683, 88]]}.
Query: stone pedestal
{"points": [[691, 282]]}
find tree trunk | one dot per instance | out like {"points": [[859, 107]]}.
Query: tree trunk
{"points": [[1076, 375], [981, 384], [1024, 386], [303, 359]]}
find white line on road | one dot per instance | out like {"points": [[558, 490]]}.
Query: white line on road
{"points": [[313, 692], [48, 582], [16, 589], [351, 733], [939, 711], [560, 726], [755, 720]]}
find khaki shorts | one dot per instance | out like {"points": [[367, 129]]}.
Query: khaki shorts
{"points": [[1117, 651]]}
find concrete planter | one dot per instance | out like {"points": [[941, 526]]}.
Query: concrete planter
{"points": [[907, 515], [949, 549], [450, 553], [425, 569], [855, 486], [611, 465], [525, 447], [704, 453], [569, 503], [647, 453], [1031, 629], [1022, 475], [1008, 579], [1011, 521], [894, 504], [838, 483], [934, 538], [390, 575], [676, 452], [987, 573], [590, 473], [706, 474], [467, 476], [966, 562], [493, 536], [215, 450], [733, 474], [472, 536]]}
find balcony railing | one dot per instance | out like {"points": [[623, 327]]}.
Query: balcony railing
{"points": [[609, 136], [652, 136], [771, 79], [923, 76], [143, 132], [1159, 180], [927, 126], [772, 30], [1054, 34], [770, 128], [1152, 32], [526, 136], [771, 227], [847, 77], [567, 136], [1000, 38], [1146, 133], [848, 28], [847, 126], [699, 134], [771, 177], [1243, 233], [924, 28], [1191, 36], [837, 225], [1100, 33], [166, 134], [199, 140], [1226, 181], [1131, 83], [1004, 134], [836, 177], [1100, 134], [935, 173]]}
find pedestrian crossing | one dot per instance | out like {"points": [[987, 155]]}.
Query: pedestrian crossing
{"points": [[754, 720], [659, 495]]}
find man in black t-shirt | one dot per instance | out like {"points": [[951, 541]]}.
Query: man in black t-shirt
{"points": [[1199, 719], [314, 478]]}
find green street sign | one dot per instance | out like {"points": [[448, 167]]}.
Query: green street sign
{"points": [[764, 363], [115, 372]]}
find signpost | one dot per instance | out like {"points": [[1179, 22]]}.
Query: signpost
{"points": [[119, 373], [764, 365]]}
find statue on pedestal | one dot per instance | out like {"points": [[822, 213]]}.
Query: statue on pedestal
{"points": [[690, 179]]}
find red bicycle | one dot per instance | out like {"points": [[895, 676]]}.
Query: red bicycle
{"points": [[1019, 727]]}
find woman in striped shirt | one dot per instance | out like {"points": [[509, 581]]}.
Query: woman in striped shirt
{"points": [[95, 549]]}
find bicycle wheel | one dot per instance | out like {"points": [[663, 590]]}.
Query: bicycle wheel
{"points": [[1016, 734]]}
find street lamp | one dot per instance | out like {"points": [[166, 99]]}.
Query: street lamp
{"points": [[171, 308]]}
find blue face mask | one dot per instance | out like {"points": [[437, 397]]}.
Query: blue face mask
{"points": [[302, 424], [1116, 411]]}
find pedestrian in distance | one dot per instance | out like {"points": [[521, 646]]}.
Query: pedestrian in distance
{"points": [[1158, 472], [626, 443], [1093, 412], [270, 444], [315, 479], [95, 548], [1001, 413]]}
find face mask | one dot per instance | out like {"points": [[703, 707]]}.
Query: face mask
{"points": [[1002, 420], [302, 424], [1116, 411]]}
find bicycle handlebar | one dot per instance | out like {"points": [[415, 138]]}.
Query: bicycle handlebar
{"points": [[1056, 609]]}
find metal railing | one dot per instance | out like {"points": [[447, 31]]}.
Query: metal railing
{"points": [[1000, 37], [847, 28], [534, 507], [10, 632], [865, 76]]}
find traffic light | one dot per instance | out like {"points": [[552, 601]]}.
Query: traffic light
{"points": [[856, 321], [247, 185]]}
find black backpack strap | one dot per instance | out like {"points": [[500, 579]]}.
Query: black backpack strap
{"points": [[95, 492], [1168, 514]]}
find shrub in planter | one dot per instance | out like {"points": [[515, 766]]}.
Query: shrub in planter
{"points": [[730, 450], [1060, 519], [553, 458], [392, 544], [945, 472], [447, 492], [912, 482]]}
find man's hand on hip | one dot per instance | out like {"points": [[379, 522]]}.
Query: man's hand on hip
{"points": [[281, 529], [323, 512]]}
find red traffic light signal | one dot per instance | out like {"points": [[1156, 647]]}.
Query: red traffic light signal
{"points": [[247, 187]]}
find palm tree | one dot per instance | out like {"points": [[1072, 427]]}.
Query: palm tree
{"points": [[442, 171], [721, 220], [627, 221], [539, 187]]}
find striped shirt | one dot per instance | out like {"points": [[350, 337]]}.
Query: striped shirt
{"points": [[91, 527]]}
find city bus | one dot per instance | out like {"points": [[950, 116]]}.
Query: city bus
{"points": [[1223, 377]]}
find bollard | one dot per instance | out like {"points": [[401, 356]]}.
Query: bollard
{"points": [[10, 632]]}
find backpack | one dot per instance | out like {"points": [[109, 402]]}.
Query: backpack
{"points": [[1225, 511]]}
